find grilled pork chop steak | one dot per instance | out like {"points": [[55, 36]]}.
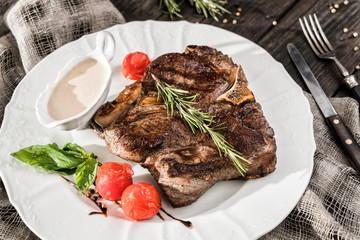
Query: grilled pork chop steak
{"points": [[136, 126]]}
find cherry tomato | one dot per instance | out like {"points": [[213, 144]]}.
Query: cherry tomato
{"points": [[140, 201], [112, 179], [134, 65]]}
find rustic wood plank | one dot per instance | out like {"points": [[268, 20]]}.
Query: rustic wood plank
{"points": [[254, 21], [137, 10], [333, 24]]}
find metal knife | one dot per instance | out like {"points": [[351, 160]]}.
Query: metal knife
{"points": [[345, 138]]}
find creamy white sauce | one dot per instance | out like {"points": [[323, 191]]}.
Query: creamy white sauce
{"points": [[77, 90]]}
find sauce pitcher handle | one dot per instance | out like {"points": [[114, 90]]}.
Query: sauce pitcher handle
{"points": [[105, 43]]}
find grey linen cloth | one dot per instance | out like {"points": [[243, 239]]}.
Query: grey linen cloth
{"points": [[330, 206]]}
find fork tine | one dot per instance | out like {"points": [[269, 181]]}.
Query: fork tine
{"points": [[315, 30], [308, 37], [323, 34], [312, 36]]}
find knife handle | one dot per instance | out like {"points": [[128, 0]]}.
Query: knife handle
{"points": [[356, 93], [346, 139]]}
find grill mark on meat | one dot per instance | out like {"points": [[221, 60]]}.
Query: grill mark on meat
{"points": [[184, 164], [143, 112], [189, 81]]}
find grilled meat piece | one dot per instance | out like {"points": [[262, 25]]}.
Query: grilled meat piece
{"points": [[136, 126]]}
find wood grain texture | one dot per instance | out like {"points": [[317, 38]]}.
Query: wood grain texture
{"points": [[255, 19], [256, 23], [347, 16]]}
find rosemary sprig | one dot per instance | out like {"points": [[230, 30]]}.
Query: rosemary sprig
{"points": [[198, 120], [213, 7], [172, 7], [206, 7]]}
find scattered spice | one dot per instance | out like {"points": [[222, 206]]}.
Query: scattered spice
{"points": [[355, 34], [336, 5], [356, 48], [237, 13], [333, 10], [239, 9], [274, 23], [346, 2], [234, 22], [345, 30], [267, 16], [225, 20], [357, 67]]}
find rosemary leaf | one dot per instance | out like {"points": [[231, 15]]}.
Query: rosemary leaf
{"points": [[197, 119], [211, 7], [205, 7], [172, 8]]}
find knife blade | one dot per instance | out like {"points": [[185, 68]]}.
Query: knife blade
{"points": [[344, 136]]}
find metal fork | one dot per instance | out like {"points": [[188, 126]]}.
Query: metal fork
{"points": [[323, 49]]}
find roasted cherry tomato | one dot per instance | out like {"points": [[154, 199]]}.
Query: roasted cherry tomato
{"points": [[140, 201], [112, 179], [134, 65]]}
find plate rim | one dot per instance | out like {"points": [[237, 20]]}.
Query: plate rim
{"points": [[19, 87]]}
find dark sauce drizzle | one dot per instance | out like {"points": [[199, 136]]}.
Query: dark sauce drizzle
{"points": [[93, 196], [118, 203], [102, 208], [103, 212], [160, 216], [187, 224]]}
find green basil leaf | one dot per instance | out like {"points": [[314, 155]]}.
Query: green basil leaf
{"points": [[49, 157], [63, 158], [86, 174], [66, 171], [75, 149], [36, 156]]}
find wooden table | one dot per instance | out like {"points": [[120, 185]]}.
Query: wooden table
{"points": [[273, 24]]}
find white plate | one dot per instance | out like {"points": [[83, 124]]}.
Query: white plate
{"points": [[230, 210]]}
